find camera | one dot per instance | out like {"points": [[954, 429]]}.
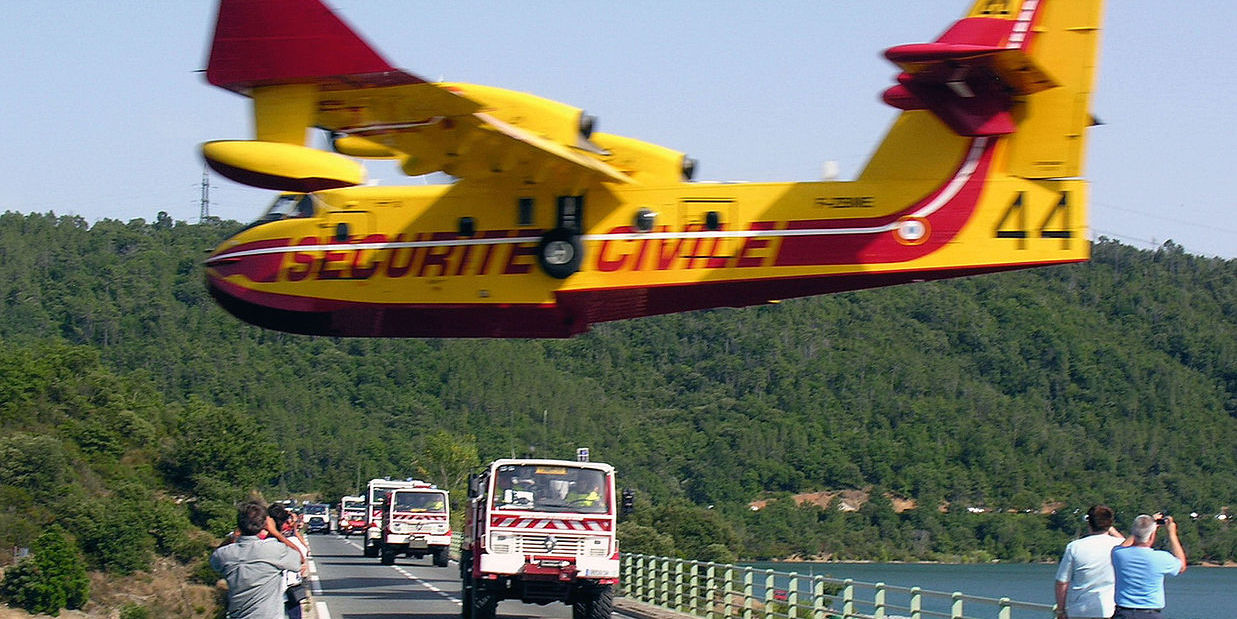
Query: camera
{"points": [[1162, 520]]}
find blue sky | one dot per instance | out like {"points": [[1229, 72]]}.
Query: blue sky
{"points": [[104, 111]]}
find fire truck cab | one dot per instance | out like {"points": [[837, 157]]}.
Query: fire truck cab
{"points": [[541, 531], [351, 515], [416, 523], [376, 498]]}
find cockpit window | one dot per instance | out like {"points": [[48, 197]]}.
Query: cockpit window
{"points": [[290, 205], [287, 206]]}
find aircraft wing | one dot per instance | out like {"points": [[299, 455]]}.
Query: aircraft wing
{"points": [[439, 127], [303, 66]]}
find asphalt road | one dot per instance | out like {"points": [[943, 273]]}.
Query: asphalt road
{"points": [[348, 585]]}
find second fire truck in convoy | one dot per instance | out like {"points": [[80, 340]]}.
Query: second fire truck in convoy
{"points": [[351, 515], [416, 523], [541, 531], [376, 494]]}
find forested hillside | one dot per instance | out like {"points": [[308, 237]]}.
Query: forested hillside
{"points": [[1021, 393]]}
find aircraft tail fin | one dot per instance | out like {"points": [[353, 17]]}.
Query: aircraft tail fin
{"points": [[1017, 68], [280, 52]]}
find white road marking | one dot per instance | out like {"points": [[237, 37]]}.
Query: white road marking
{"points": [[323, 612]]}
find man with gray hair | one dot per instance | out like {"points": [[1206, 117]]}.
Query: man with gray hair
{"points": [[1140, 569]]}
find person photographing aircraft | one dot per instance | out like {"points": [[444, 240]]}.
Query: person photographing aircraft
{"points": [[1140, 569]]}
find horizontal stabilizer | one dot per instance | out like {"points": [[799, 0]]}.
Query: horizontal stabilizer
{"points": [[968, 77]]}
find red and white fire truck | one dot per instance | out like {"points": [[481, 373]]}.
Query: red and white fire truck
{"points": [[541, 531], [416, 523], [351, 515], [376, 494]]}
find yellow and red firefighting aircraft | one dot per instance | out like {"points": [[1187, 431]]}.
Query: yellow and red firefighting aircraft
{"points": [[549, 227]]}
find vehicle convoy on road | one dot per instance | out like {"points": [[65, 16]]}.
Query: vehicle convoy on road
{"points": [[317, 517], [351, 515], [416, 523], [540, 531], [377, 495]]}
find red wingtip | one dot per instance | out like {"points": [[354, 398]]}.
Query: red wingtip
{"points": [[264, 42]]}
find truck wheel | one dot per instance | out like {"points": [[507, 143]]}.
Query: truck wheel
{"points": [[440, 557], [597, 605], [560, 253], [484, 603], [388, 556], [371, 551]]}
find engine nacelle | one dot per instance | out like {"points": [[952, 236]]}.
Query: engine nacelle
{"points": [[646, 163], [356, 146]]}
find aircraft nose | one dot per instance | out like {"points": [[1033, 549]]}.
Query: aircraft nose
{"points": [[257, 262]]}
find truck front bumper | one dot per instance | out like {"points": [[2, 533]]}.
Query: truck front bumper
{"points": [[585, 567]]}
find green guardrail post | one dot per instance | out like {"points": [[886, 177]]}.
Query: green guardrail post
{"points": [[819, 602], [625, 570], [848, 598], [710, 585], [768, 597], [747, 593], [792, 596], [728, 592], [694, 588], [666, 584], [643, 578], [678, 585], [916, 603], [955, 611], [878, 601]]}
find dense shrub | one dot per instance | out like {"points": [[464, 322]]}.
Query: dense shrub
{"points": [[52, 578]]}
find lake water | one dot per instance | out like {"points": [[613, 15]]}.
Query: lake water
{"points": [[1202, 592]]}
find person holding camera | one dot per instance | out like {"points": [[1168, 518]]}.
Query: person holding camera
{"points": [[1140, 569], [254, 567], [1084, 585]]}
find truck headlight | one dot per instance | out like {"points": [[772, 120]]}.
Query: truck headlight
{"points": [[597, 547], [502, 542]]}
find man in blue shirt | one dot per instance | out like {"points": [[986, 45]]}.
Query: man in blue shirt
{"points": [[1140, 569]]}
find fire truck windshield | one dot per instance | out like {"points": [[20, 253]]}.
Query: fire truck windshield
{"points": [[542, 488], [354, 504], [430, 502]]}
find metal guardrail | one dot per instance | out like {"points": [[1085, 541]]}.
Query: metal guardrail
{"points": [[719, 591]]}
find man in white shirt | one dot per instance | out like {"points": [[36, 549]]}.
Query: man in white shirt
{"points": [[1085, 580]]}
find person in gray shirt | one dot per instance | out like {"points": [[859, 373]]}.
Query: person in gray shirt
{"points": [[254, 568]]}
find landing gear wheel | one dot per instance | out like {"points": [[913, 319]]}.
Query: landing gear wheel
{"points": [[598, 605], [560, 253], [388, 556], [440, 557]]}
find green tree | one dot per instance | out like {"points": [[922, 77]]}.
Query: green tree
{"points": [[52, 578], [447, 460]]}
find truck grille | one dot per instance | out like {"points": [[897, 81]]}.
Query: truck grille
{"points": [[549, 544]]}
